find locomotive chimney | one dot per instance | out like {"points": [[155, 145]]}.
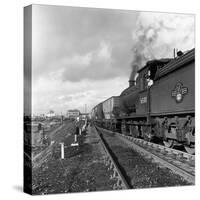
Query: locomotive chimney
{"points": [[131, 83], [132, 78]]}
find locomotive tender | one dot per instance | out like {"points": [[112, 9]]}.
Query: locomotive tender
{"points": [[158, 104]]}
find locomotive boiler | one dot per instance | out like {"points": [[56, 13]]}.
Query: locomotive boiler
{"points": [[159, 103]]}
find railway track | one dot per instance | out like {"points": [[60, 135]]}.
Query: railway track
{"points": [[179, 162], [112, 165]]}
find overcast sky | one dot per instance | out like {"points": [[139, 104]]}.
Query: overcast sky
{"points": [[83, 56]]}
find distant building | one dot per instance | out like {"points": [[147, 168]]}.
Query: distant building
{"points": [[84, 116], [42, 115], [51, 113], [74, 114]]}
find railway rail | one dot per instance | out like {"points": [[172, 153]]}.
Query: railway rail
{"points": [[179, 162], [110, 162]]}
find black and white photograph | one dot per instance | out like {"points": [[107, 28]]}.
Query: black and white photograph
{"points": [[109, 99]]}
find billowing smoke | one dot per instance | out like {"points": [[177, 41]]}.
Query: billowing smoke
{"points": [[135, 68], [157, 34]]}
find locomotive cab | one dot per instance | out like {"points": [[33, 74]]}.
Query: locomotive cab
{"points": [[151, 70]]}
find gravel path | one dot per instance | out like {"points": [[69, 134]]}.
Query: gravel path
{"points": [[83, 168]]}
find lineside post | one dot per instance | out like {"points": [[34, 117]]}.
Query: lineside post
{"points": [[62, 150]]}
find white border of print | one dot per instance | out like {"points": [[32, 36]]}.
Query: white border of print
{"points": [[11, 101]]}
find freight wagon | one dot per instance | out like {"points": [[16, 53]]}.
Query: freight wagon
{"points": [[111, 107]]}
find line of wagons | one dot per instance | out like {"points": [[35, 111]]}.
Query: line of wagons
{"points": [[158, 105]]}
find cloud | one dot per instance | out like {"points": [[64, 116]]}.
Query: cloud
{"points": [[60, 97], [95, 65], [78, 41]]}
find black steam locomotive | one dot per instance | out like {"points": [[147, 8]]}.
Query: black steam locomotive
{"points": [[158, 104]]}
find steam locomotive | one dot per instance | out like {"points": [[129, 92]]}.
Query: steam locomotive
{"points": [[158, 105]]}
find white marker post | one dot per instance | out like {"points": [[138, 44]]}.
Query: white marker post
{"points": [[75, 141], [75, 138], [62, 150], [77, 132]]}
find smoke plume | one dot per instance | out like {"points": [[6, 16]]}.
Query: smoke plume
{"points": [[157, 34]]}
